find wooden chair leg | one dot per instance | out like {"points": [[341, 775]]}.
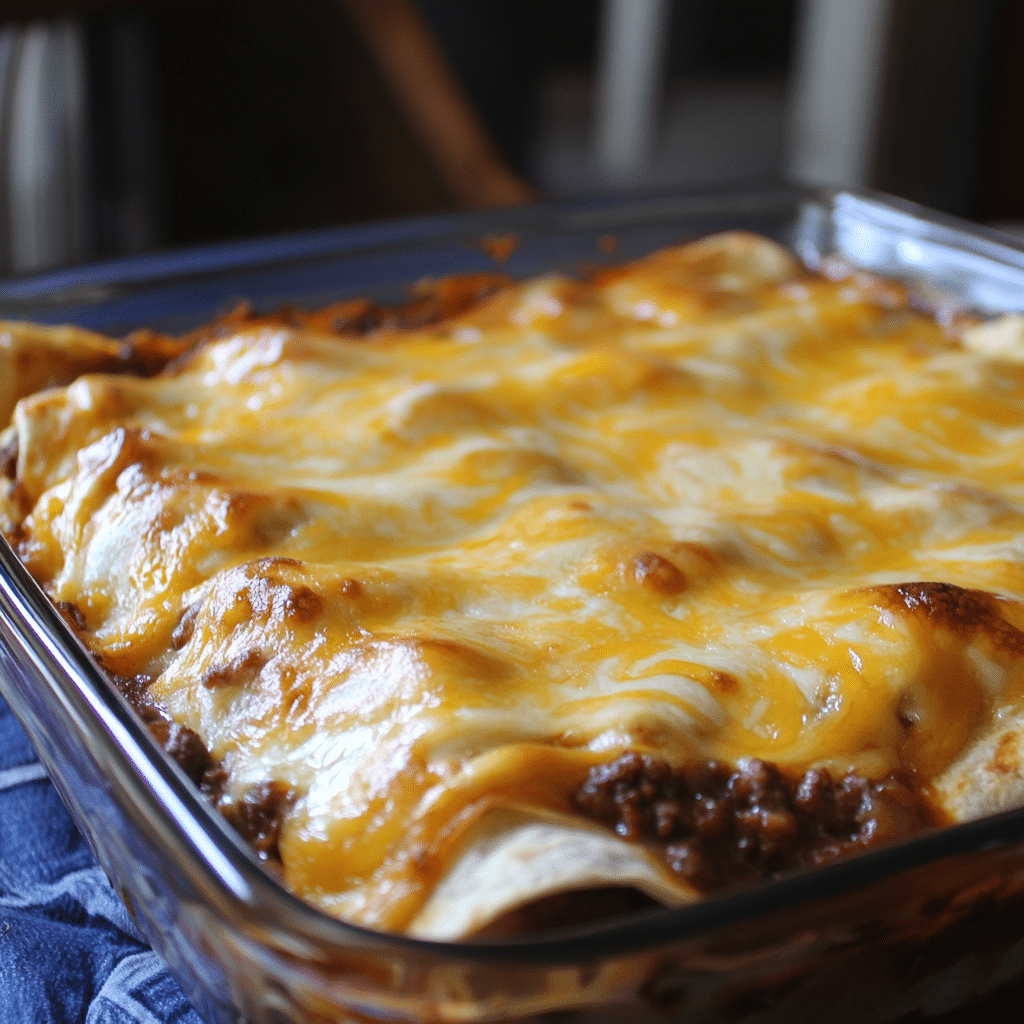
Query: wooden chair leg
{"points": [[415, 69]]}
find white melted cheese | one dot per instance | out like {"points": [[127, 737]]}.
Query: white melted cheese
{"points": [[441, 573]]}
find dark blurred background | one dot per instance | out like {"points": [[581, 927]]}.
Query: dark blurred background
{"points": [[129, 126]]}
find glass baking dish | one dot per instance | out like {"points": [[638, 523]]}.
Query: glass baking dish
{"points": [[917, 928]]}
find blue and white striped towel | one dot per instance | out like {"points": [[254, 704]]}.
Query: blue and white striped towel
{"points": [[69, 952]]}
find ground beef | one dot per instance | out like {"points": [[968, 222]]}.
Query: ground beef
{"points": [[186, 748], [432, 301], [256, 816], [73, 615], [718, 826]]}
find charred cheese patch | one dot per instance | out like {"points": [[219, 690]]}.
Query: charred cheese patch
{"points": [[706, 506]]}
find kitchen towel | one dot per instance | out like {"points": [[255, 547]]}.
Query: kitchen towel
{"points": [[69, 951]]}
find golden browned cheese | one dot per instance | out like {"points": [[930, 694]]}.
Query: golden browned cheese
{"points": [[705, 506]]}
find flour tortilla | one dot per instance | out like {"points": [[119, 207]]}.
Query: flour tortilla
{"points": [[36, 357], [33, 358], [511, 858], [989, 776]]}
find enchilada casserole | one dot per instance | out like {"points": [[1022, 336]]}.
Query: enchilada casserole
{"points": [[525, 601]]}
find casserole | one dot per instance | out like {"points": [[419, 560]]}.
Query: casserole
{"points": [[854, 226]]}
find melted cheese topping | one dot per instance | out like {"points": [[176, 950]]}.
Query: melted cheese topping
{"points": [[443, 572]]}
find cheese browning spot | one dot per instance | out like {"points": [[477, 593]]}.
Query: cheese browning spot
{"points": [[302, 604], [186, 626], [965, 613], [658, 574], [238, 672], [9, 455], [724, 682]]}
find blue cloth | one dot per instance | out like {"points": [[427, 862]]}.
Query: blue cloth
{"points": [[69, 951]]}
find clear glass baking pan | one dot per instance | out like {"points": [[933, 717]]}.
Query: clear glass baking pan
{"points": [[917, 928]]}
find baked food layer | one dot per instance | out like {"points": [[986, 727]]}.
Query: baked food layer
{"points": [[471, 609]]}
